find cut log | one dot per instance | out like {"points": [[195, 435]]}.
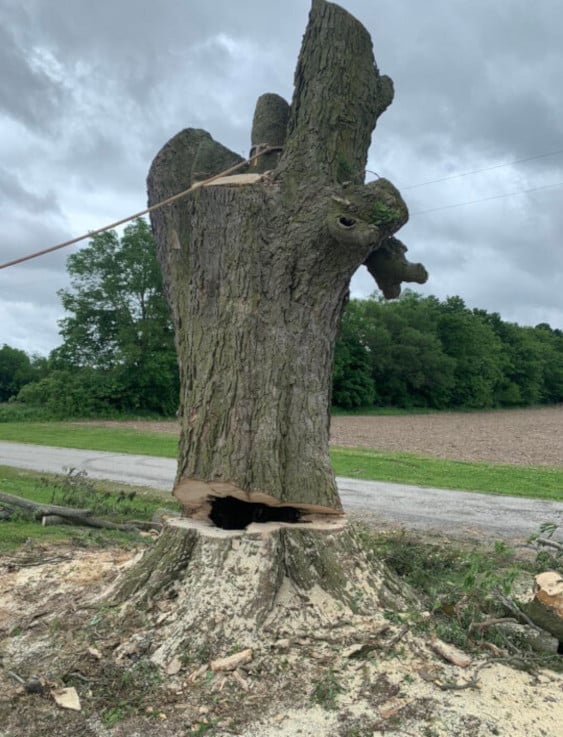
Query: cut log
{"points": [[546, 608]]}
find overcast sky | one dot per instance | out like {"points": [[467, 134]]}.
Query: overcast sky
{"points": [[89, 92]]}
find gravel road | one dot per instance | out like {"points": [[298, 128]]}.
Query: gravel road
{"points": [[453, 513]]}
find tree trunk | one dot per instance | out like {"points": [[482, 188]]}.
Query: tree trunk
{"points": [[217, 589], [257, 271], [257, 274]]}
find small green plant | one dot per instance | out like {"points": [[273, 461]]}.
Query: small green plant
{"points": [[382, 214], [326, 690], [115, 714], [549, 553], [77, 490], [201, 729], [357, 601]]}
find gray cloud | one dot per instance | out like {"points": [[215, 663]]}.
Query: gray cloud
{"points": [[91, 91]]}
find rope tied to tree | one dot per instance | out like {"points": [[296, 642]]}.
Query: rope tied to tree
{"points": [[257, 152]]}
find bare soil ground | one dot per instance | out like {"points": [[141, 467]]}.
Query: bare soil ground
{"points": [[519, 436]]}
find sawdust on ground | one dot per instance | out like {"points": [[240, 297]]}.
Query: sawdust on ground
{"points": [[51, 626]]}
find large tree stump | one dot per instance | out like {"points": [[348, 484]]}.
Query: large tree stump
{"points": [[257, 271], [252, 587]]}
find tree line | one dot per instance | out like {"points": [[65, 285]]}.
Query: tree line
{"points": [[424, 352], [117, 354]]}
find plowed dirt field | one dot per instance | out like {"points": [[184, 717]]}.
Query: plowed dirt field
{"points": [[519, 436]]}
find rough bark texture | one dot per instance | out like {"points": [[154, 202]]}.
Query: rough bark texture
{"points": [[257, 270], [257, 275], [256, 586]]}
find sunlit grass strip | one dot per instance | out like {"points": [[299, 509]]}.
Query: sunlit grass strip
{"points": [[539, 482], [91, 437]]}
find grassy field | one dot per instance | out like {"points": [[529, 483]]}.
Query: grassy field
{"points": [[538, 482], [109, 500]]}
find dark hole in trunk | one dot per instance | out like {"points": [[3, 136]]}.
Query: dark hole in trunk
{"points": [[347, 222], [233, 514]]}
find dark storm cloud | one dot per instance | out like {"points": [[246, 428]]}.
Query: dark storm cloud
{"points": [[91, 91], [12, 192], [27, 93]]}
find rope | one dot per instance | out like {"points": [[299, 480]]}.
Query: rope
{"points": [[169, 200]]}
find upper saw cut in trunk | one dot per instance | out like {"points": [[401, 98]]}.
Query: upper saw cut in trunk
{"points": [[257, 271]]}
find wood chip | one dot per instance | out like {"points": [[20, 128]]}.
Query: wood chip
{"points": [[174, 666], [232, 661], [67, 698], [242, 682], [202, 670], [392, 707], [450, 653], [95, 653]]}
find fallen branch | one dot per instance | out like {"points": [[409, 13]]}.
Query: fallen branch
{"points": [[515, 609], [42, 510], [490, 622], [450, 653], [232, 661], [396, 637], [52, 514], [103, 524], [549, 543]]}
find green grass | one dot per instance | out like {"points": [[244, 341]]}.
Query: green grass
{"points": [[460, 585], [540, 482], [109, 500], [91, 437]]}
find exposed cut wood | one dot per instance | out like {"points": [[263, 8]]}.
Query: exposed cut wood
{"points": [[236, 180], [450, 653], [270, 582], [67, 698], [546, 608], [231, 662], [549, 590], [53, 519], [194, 497]]}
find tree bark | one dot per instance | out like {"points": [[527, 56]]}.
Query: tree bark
{"points": [[257, 270], [254, 587], [257, 275]]}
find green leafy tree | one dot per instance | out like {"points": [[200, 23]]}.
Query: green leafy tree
{"points": [[550, 346], [353, 384], [16, 370], [118, 347], [477, 352]]}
